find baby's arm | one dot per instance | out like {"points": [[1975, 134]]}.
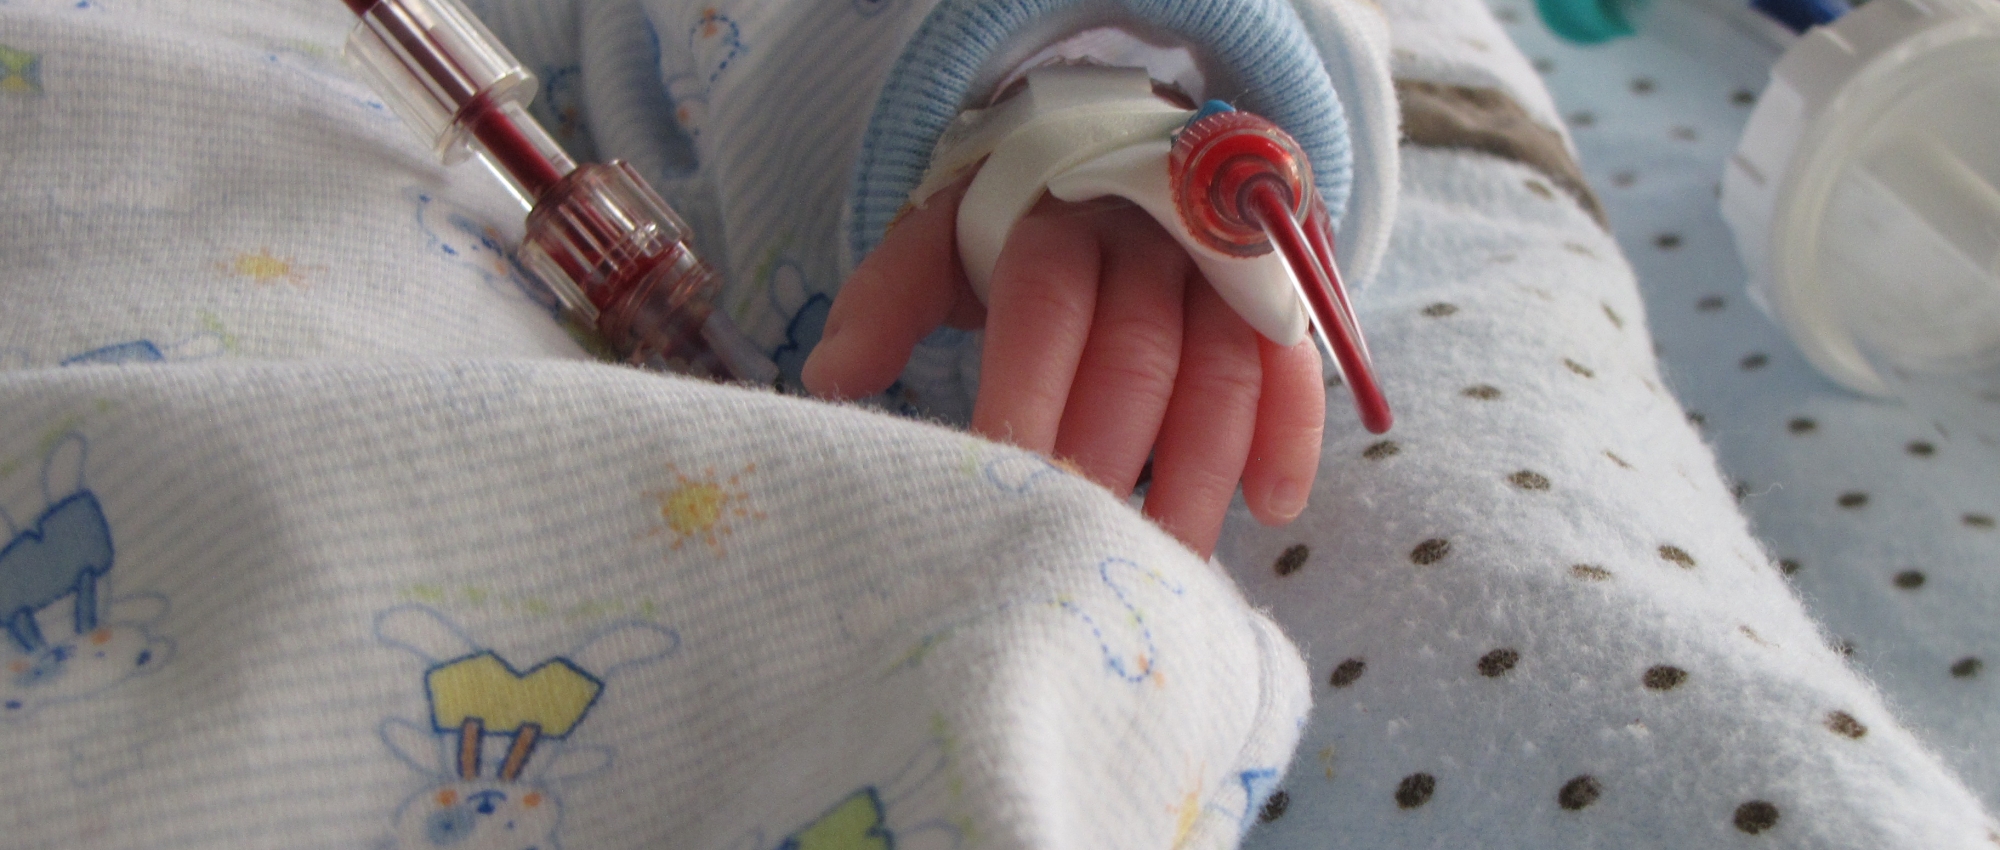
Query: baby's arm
{"points": [[1104, 346]]}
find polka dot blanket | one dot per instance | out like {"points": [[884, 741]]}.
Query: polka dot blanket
{"points": [[1536, 612]]}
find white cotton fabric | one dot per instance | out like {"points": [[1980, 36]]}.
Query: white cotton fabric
{"points": [[348, 466], [1534, 613]]}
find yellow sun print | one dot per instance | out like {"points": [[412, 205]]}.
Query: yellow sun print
{"points": [[702, 507], [264, 268]]}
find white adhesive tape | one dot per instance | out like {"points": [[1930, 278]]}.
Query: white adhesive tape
{"points": [[1080, 133]]}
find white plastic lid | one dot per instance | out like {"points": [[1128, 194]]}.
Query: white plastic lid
{"points": [[1863, 193]]}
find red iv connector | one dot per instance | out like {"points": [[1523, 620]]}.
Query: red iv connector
{"points": [[597, 235], [1243, 186]]}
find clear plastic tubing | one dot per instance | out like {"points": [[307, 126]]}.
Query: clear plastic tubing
{"points": [[597, 235], [1242, 187]]}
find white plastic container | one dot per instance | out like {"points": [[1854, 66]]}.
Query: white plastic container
{"points": [[1865, 200]]}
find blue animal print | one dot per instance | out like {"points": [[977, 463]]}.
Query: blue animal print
{"points": [[64, 555], [1127, 658], [802, 334], [713, 42], [1118, 625], [1257, 784], [471, 799], [56, 570], [457, 233], [903, 811], [1019, 473], [200, 345]]}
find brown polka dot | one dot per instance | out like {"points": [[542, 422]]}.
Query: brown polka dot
{"points": [[1710, 304], [1920, 448], [1677, 555], [1910, 579], [1667, 241], [1853, 499], [1740, 490], [1754, 360], [1496, 663], [1684, 134], [1290, 560], [1346, 672], [1579, 793], [1383, 449], [1611, 314], [1977, 520], [1431, 551], [1540, 189], [1582, 118], [1544, 65], [1642, 85], [1440, 310], [1756, 816], [1843, 723], [1966, 668], [1788, 566], [1663, 677], [1624, 179], [1616, 459], [1589, 573], [1415, 790], [1802, 425], [1743, 97], [1529, 480], [1579, 368], [1697, 418], [1274, 808], [1845, 648], [1483, 392]]}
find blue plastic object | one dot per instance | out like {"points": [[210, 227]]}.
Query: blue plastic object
{"points": [[1599, 21]]}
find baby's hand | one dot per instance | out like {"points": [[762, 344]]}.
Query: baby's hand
{"points": [[1104, 345]]}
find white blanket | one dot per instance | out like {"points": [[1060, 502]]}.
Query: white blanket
{"points": [[270, 588], [381, 560]]}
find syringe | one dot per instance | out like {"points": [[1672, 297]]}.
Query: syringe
{"points": [[612, 250]]}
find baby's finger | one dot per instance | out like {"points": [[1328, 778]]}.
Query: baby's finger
{"points": [[1291, 414], [1206, 436], [1127, 372], [903, 290], [1038, 315]]}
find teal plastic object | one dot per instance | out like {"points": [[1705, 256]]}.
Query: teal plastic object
{"points": [[1589, 21]]}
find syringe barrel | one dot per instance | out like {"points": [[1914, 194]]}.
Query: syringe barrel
{"points": [[440, 69]]}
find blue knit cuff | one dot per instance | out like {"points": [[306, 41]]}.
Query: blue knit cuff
{"points": [[1262, 43]]}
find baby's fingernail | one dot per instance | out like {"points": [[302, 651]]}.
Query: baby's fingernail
{"points": [[1288, 499]]}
